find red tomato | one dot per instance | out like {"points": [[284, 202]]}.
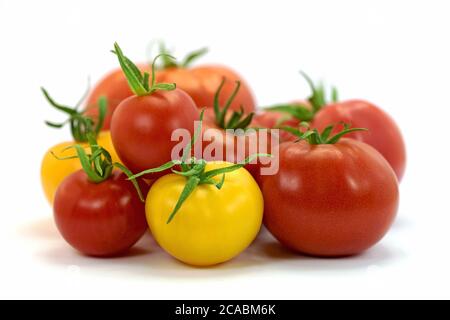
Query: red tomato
{"points": [[201, 84], [114, 87], [384, 134], [330, 199], [102, 219], [142, 126]]}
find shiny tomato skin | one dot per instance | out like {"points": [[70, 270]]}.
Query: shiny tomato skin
{"points": [[383, 133], [202, 82], [142, 127], [330, 200], [103, 219], [114, 87]]}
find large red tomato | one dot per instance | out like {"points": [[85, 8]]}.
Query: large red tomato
{"points": [[201, 84], [384, 134], [100, 219], [330, 199]]}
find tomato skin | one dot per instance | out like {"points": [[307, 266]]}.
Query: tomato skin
{"points": [[103, 219], [383, 133], [330, 200], [212, 226], [54, 171], [114, 87], [142, 127], [202, 82]]}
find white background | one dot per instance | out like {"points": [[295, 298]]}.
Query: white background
{"points": [[394, 53]]}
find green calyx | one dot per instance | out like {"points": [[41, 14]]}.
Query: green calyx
{"points": [[317, 100], [318, 97], [194, 171], [238, 119], [297, 111], [315, 137], [80, 124], [98, 164], [140, 82], [167, 62]]}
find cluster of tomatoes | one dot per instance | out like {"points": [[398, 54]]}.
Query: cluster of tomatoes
{"points": [[334, 191]]}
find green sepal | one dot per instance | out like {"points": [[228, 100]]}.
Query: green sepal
{"points": [[98, 165], [138, 81], [185, 63], [313, 136], [79, 123], [297, 111], [238, 119]]}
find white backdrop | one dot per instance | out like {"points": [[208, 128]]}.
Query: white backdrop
{"points": [[394, 53]]}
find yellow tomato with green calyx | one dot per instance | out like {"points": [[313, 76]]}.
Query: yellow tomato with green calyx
{"points": [[53, 171], [212, 225]]}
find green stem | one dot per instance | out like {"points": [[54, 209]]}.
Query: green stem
{"points": [[79, 123], [98, 165], [315, 137], [185, 63], [238, 119], [138, 81]]}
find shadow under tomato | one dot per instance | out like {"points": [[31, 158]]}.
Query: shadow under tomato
{"points": [[147, 259]]}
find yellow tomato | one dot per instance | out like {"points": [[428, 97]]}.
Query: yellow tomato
{"points": [[53, 171], [212, 225]]}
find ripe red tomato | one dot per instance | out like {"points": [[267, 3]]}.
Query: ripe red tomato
{"points": [[330, 199], [201, 84], [100, 219], [114, 87], [142, 126], [384, 134]]}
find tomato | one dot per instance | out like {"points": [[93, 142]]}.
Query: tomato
{"points": [[330, 199], [142, 125], [53, 171], [212, 225], [384, 134], [114, 87], [201, 84], [99, 219]]}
